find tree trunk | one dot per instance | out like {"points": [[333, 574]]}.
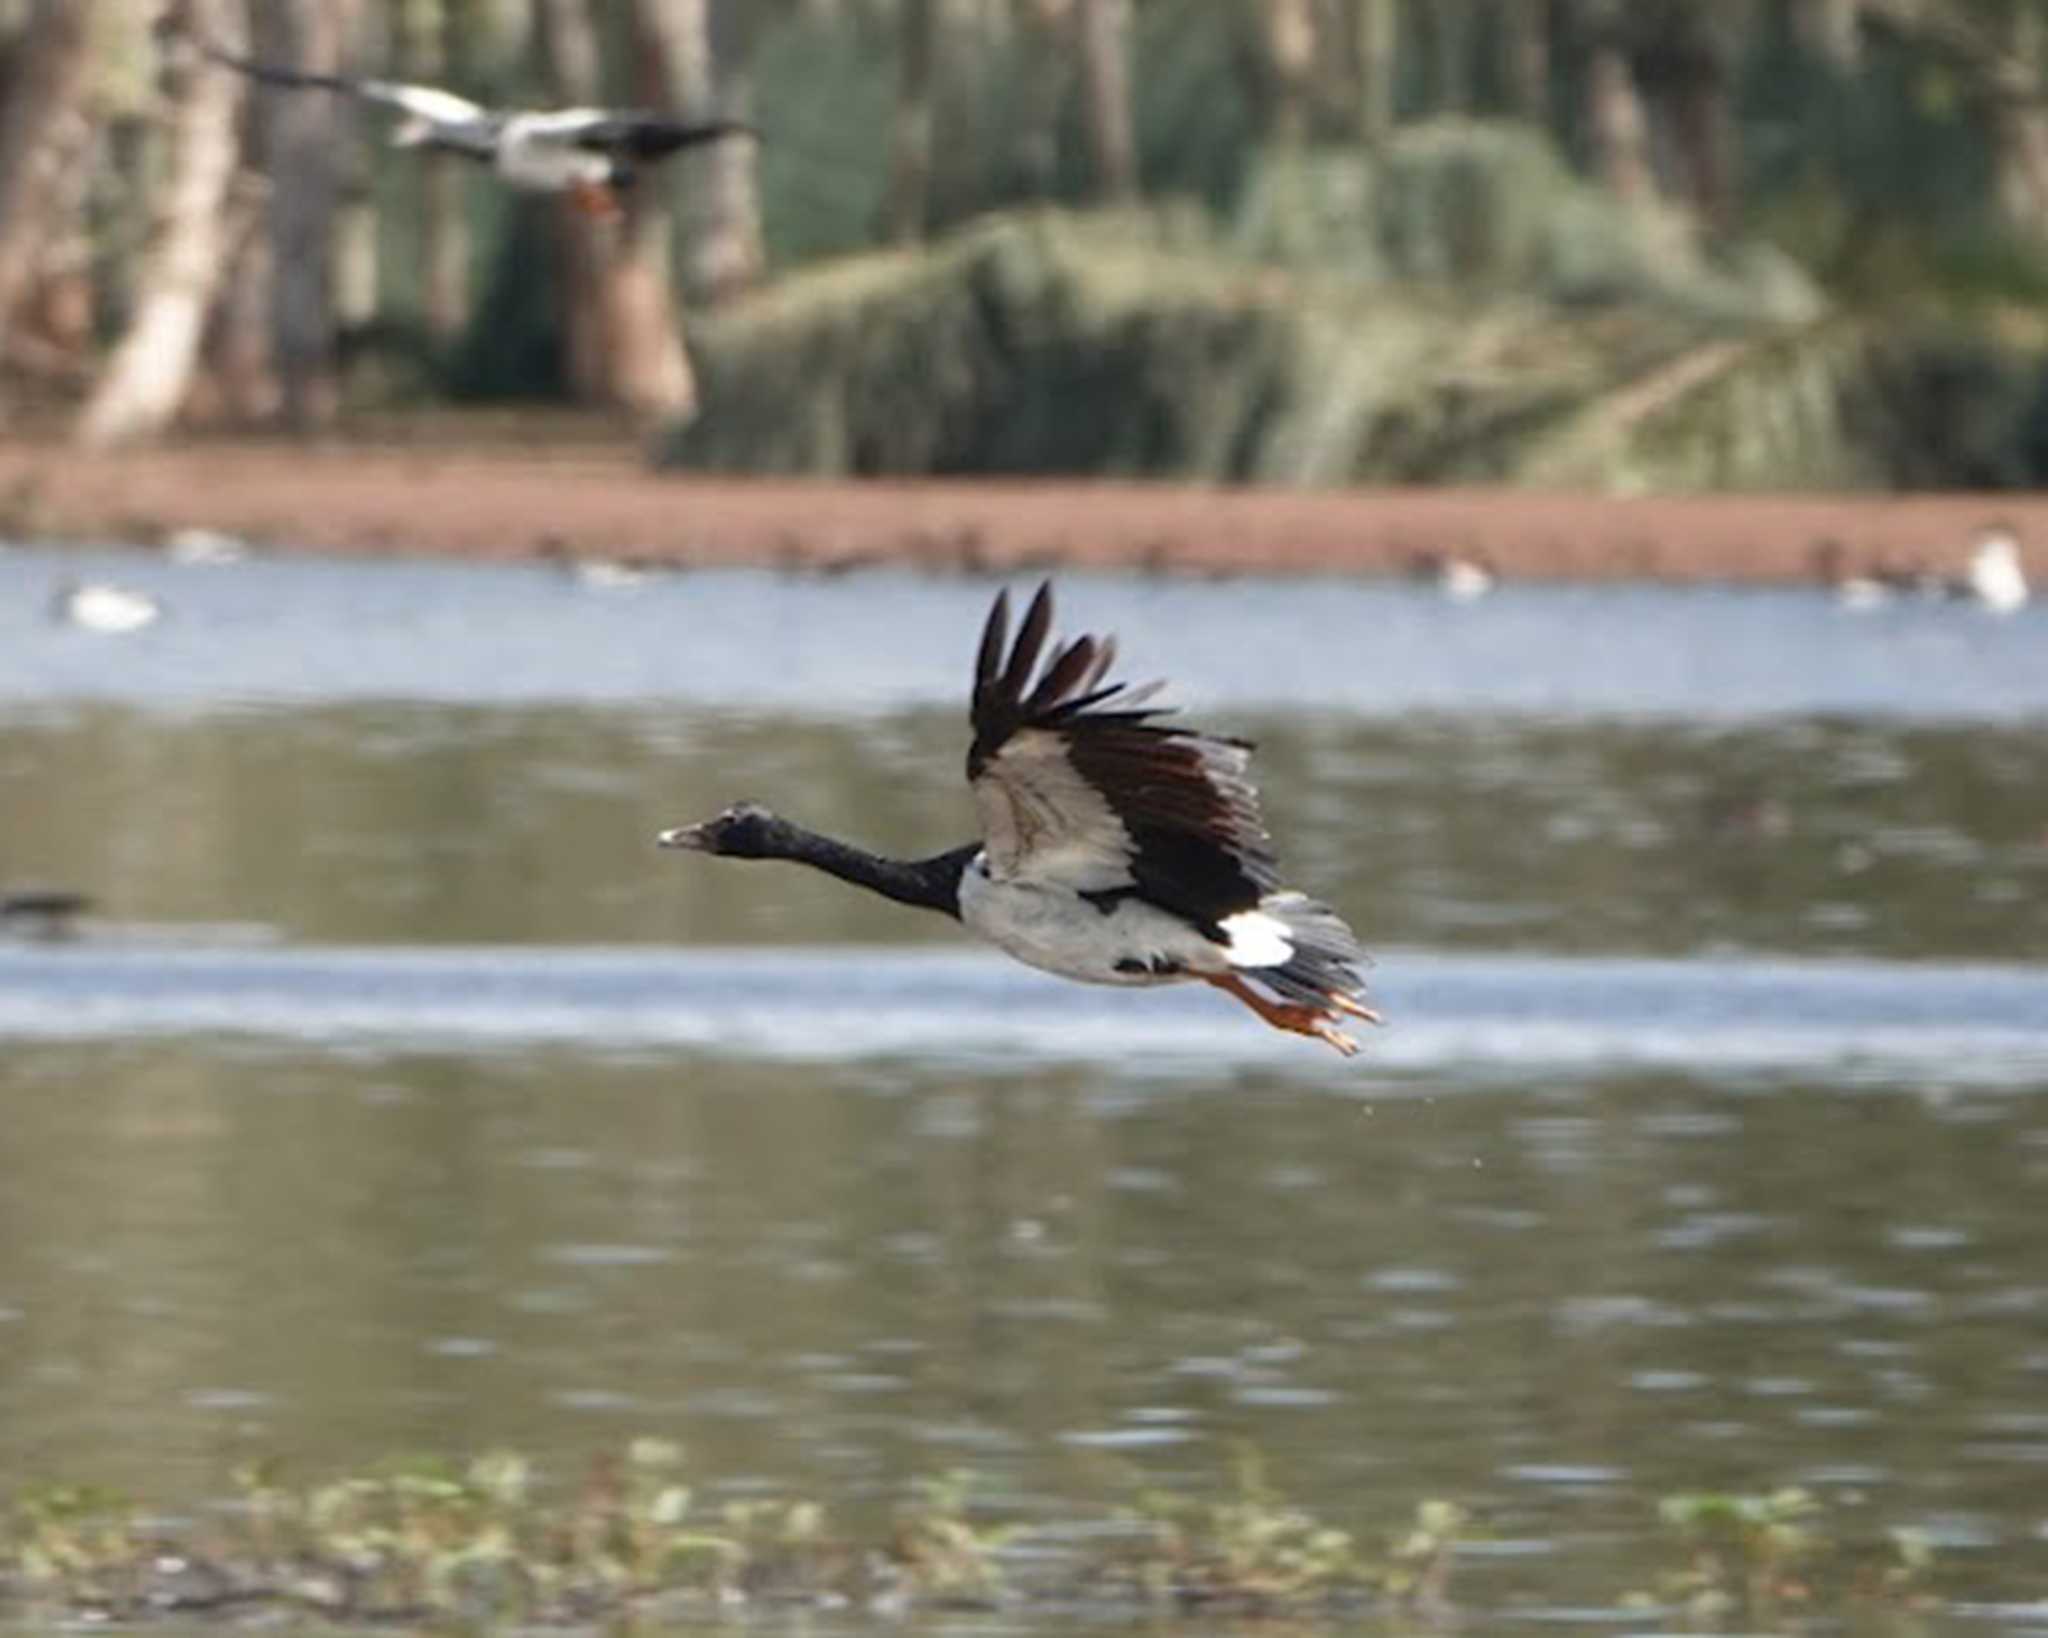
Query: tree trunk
{"points": [[2001, 57], [1044, 65], [1828, 28], [2019, 124], [1104, 41], [431, 52], [146, 377], [238, 351], [303, 136], [44, 102], [703, 46], [1703, 131], [1290, 31], [1448, 25], [911, 124], [1375, 43], [1523, 31], [51, 332], [622, 332], [573, 66], [1616, 125]]}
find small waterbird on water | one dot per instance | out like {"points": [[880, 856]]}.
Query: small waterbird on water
{"points": [[101, 606], [1995, 577], [591, 155], [42, 912], [1115, 849]]}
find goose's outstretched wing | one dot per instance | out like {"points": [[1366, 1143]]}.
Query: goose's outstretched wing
{"points": [[1078, 785], [423, 102], [636, 134]]}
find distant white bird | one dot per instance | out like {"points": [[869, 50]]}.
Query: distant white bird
{"points": [[588, 154], [1461, 579], [204, 548], [1995, 576], [98, 605], [610, 574]]}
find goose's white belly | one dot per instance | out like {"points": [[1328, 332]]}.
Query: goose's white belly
{"points": [[530, 156], [1055, 929]]}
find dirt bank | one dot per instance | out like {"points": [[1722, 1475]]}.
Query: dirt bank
{"points": [[498, 501]]}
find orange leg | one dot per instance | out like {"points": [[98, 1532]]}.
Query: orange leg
{"points": [[1297, 1020], [595, 199]]}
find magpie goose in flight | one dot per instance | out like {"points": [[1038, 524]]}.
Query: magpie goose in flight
{"points": [[589, 154], [1115, 848]]}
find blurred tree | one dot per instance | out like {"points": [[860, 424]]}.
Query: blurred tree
{"points": [[1290, 57], [304, 138], [1521, 32], [1375, 40], [1447, 33], [1999, 48], [709, 76], [1684, 54], [1104, 40], [45, 89], [1831, 30], [911, 123], [1036, 33], [621, 329], [238, 376], [1616, 127], [429, 36], [145, 379], [574, 66]]}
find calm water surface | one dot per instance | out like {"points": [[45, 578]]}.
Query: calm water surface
{"points": [[402, 1097]]}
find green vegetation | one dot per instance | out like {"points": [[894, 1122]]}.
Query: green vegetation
{"points": [[1758, 1559], [1684, 244], [1149, 344], [435, 1544]]}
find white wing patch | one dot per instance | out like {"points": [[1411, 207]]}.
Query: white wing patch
{"points": [[1257, 939], [1042, 821], [427, 102], [561, 125]]}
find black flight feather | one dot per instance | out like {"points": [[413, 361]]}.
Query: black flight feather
{"points": [[1198, 845]]}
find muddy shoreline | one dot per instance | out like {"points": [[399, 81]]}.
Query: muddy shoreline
{"points": [[576, 496]]}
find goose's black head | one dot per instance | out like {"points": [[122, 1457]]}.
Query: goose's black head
{"points": [[746, 830]]}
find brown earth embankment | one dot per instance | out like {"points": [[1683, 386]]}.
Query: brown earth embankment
{"points": [[437, 498]]}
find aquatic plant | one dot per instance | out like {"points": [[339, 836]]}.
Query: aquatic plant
{"points": [[1256, 1552], [1750, 1558], [432, 1543]]}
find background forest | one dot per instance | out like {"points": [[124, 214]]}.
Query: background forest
{"points": [[1628, 243]]}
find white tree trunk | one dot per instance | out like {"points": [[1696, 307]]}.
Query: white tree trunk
{"points": [[1619, 128], [146, 377], [699, 52]]}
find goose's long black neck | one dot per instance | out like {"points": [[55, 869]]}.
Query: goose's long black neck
{"points": [[929, 884]]}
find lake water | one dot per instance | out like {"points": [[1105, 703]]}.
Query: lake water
{"points": [[400, 1096]]}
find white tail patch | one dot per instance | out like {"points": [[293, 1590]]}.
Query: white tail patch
{"points": [[1257, 939]]}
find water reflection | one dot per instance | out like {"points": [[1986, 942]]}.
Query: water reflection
{"points": [[388, 823], [1557, 1301]]}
